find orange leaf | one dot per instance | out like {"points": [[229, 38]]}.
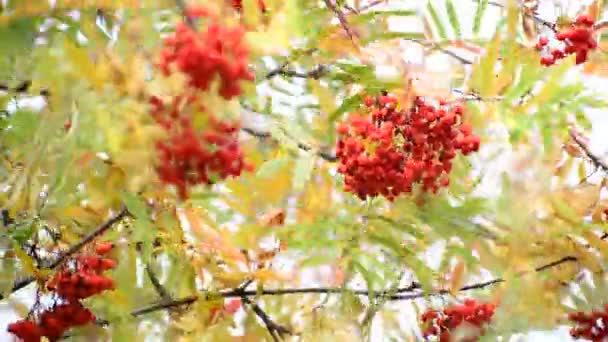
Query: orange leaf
{"points": [[275, 217], [210, 239]]}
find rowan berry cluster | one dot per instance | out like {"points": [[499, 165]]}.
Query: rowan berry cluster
{"points": [[218, 51], [191, 156], [591, 326], [390, 150], [188, 157], [80, 278], [443, 323], [578, 39]]}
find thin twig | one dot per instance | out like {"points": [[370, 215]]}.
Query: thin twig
{"points": [[435, 46], [316, 73], [75, 248], [398, 294], [330, 157], [597, 161], [536, 18], [275, 330], [341, 18], [160, 289]]}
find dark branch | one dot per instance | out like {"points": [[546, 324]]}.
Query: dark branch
{"points": [[316, 73], [275, 330], [75, 248], [397, 294], [597, 161], [342, 19], [330, 157], [160, 289]]}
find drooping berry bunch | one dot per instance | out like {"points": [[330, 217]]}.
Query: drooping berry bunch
{"points": [[443, 323], [188, 157], [591, 326], [192, 155], [80, 278], [577, 38], [216, 52], [390, 150]]}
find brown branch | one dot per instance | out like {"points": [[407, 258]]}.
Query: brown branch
{"points": [[316, 73], [75, 248], [397, 294], [548, 24], [160, 289], [436, 46], [330, 157], [342, 19], [578, 139], [275, 330]]}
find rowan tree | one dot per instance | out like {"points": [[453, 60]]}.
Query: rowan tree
{"points": [[286, 170]]}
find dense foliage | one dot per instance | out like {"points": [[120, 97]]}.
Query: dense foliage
{"points": [[201, 170]]}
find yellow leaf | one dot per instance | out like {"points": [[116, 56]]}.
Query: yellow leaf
{"points": [[209, 239], [457, 277], [596, 242], [85, 68]]}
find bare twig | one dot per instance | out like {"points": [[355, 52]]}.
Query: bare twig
{"points": [[330, 157], [160, 289], [398, 294], [536, 18], [435, 46], [578, 139], [316, 73], [75, 248], [275, 330], [341, 18]]}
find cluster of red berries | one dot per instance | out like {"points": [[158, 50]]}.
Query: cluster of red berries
{"points": [[79, 279], [576, 39], [190, 156], [391, 150], [591, 326], [443, 323], [217, 51]]}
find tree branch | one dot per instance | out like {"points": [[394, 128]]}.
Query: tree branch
{"points": [[578, 139], [397, 294], [316, 73], [75, 248], [341, 18], [160, 289], [275, 330], [330, 157]]}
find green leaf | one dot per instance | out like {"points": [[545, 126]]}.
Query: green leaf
{"points": [[347, 105], [481, 8], [453, 17], [437, 21], [271, 167], [303, 170], [135, 205]]}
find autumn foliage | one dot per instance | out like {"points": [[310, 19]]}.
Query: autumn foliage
{"points": [[301, 169]]}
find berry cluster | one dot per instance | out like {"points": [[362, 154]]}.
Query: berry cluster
{"points": [[217, 51], [443, 323], [389, 151], [79, 279], [576, 39], [188, 157], [590, 326], [191, 156]]}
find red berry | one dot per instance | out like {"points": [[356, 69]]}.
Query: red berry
{"points": [[103, 248]]}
